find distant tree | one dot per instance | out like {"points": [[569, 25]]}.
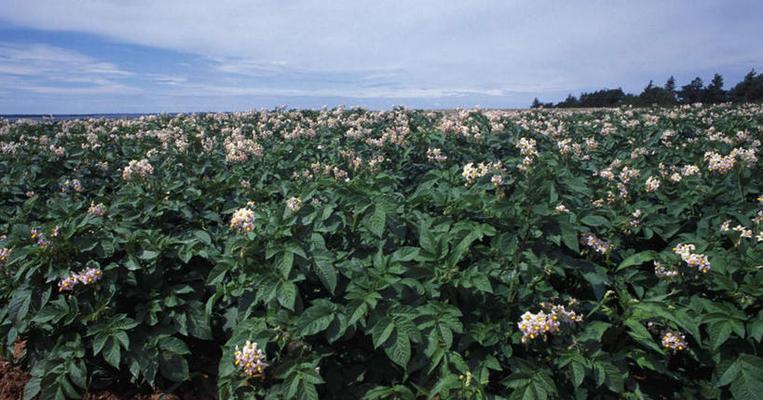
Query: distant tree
{"points": [[750, 89], [714, 92], [670, 85], [670, 91], [570, 102], [654, 95], [630, 99], [602, 98], [693, 92]]}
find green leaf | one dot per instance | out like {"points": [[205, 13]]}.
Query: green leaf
{"points": [[112, 353], [444, 386], [376, 221], [380, 335], [148, 255], [203, 237], [173, 367], [594, 220], [458, 251], [400, 350], [78, 373], [719, 332], [287, 294], [755, 328], [173, 345], [32, 388], [405, 254], [284, 263], [637, 259], [481, 282], [316, 318], [325, 270], [745, 376], [578, 373], [638, 332], [569, 236]]}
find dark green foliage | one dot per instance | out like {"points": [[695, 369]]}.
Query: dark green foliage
{"points": [[400, 281]]}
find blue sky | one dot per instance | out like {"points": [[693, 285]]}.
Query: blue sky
{"points": [[76, 56]]}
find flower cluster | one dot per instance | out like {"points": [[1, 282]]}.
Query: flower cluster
{"points": [[72, 184], [471, 173], [327, 170], [535, 325], [98, 210], [243, 220], [741, 230], [250, 360], [590, 240], [87, 276], [628, 173], [57, 151], [718, 163], [652, 184], [5, 253], [140, 168], [435, 155], [294, 204], [748, 156], [496, 180], [689, 170], [692, 259], [39, 238], [636, 221], [527, 149], [239, 148], [561, 208], [664, 273], [674, 341]]}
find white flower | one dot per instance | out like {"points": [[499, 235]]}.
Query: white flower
{"points": [[294, 204], [652, 184], [243, 220], [140, 168]]}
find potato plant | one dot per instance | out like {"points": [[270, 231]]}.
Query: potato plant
{"points": [[345, 253]]}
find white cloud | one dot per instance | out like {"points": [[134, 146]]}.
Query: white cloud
{"points": [[358, 93], [495, 44], [398, 48], [41, 59], [63, 71]]}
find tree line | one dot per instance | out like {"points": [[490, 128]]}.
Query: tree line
{"points": [[749, 90]]}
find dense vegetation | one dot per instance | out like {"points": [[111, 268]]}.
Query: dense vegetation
{"points": [[749, 90], [402, 254]]}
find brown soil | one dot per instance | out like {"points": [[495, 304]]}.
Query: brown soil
{"points": [[12, 381]]}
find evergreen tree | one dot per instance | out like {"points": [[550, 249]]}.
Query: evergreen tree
{"points": [[670, 85], [670, 91], [693, 92], [750, 89], [714, 92], [652, 95], [570, 102]]}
